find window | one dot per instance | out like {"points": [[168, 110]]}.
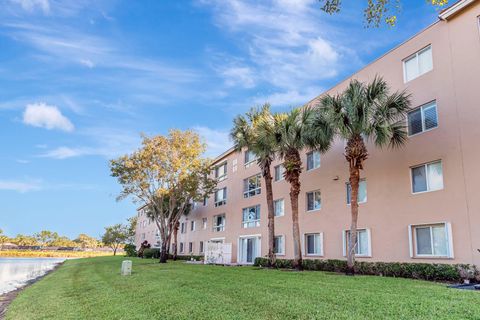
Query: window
{"points": [[221, 171], [418, 64], [181, 247], [190, 247], [313, 244], [432, 240], [362, 247], [205, 201], [362, 192], [249, 157], [279, 245], [220, 197], [279, 171], [183, 227], [219, 223], [192, 225], [279, 207], [313, 160], [201, 247], [204, 223], [313, 201], [252, 186], [427, 177], [422, 119], [251, 217]]}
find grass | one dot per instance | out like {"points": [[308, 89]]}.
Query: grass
{"points": [[93, 289], [52, 254]]}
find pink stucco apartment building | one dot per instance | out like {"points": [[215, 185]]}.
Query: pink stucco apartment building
{"points": [[418, 204]]}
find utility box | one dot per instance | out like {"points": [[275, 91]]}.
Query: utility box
{"points": [[126, 268]]}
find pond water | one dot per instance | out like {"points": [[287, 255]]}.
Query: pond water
{"points": [[15, 272]]}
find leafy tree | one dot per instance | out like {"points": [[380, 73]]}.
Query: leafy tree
{"points": [[45, 237], [255, 131], [63, 242], [364, 112], [132, 226], [377, 12], [24, 240], [85, 241], [3, 239], [293, 132], [115, 236], [167, 174]]}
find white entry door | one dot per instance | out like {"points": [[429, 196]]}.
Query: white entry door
{"points": [[248, 249]]}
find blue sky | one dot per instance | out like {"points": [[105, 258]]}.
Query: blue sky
{"points": [[80, 79]]}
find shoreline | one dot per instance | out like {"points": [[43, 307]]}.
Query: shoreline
{"points": [[7, 298]]}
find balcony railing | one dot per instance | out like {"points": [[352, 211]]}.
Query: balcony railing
{"points": [[252, 192], [251, 223], [219, 228]]}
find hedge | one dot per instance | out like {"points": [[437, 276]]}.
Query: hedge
{"points": [[424, 271], [154, 253]]}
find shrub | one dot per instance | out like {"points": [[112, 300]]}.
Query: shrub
{"points": [[151, 253], [130, 250], [424, 271], [187, 257]]}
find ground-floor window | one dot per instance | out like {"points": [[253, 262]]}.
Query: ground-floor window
{"points": [[201, 247], [279, 245], [433, 240], [190, 247], [313, 244], [248, 249], [363, 245], [181, 247]]}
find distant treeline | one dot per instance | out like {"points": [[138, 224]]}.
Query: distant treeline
{"points": [[47, 238]]}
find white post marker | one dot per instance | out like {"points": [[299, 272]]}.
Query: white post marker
{"points": [[126, 268]]}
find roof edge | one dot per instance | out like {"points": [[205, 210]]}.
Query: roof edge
{"points": [[454, 9]]}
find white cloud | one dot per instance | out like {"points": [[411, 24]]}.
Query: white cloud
{"points": [[65, 153], [238, 76], [20, 186], [87, 63], [46, 116], [217, 141], [32, 5], [287, 44], [292, 98]]}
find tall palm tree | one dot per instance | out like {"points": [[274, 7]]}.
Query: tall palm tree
{"points": [[364, 112], [295, 132], [255, 132]]}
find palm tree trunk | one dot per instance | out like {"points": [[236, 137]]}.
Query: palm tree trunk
{"points": [[271, 216], [354, 185], [293, 169]]}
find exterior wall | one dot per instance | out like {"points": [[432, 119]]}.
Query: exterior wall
{"points": [[146, 230], [391, 206]]}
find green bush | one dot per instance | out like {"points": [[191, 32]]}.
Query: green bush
{"points": [[130, 250], [151, 253], [185, 257], [424, 271]]}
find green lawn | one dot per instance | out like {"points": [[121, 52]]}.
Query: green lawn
{"points": [[93, 289]]}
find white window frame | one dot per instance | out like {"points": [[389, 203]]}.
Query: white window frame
{"points": [[224, 175], [190, 247], [181, 247], [251, 223], [313, 153], [219, 228], [305, 244], [183, 227], [415, 55], [412, 240], [426, 178], [369, 247], [204, 223], [306, 200], [422, 112], [222, 202], [258, 247], [282, 248], [192, 225], [275, 207], [249, 162], [347, 184], [201, 247], [281, 172], [253, 192]]}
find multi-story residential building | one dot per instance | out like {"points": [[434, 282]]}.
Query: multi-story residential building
{"points": [[418, 204]]}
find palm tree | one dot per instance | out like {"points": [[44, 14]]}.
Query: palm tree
{"points": [[364, 112], [255, 131], [295, 132]]}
